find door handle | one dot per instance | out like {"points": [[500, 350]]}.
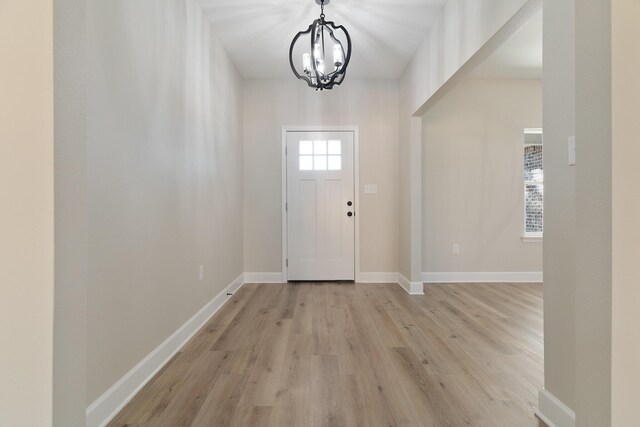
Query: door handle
{"points": [[349, 214], [349, 203]]}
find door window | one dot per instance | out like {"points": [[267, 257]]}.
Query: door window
{"points": [[320, 155]]}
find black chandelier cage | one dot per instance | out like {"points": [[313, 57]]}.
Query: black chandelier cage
{"points": [[322, 53]]}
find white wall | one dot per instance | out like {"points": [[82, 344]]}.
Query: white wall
{"points": [[405, 182], [560, 211], [26, 216], [164, 177], [462, 29], [271, 104], [593, 250], [626, 211], [410, 188], [454, 41], [70, 317], [607, 205], [473, 142]]}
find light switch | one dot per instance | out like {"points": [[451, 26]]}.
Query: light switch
{"points": [[371, 189], [572, 151]]}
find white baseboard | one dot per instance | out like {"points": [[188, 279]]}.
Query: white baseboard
{"points": [[387, 277], [553, 412], [384, 277], [412, 288], [263, 278], [107, 406], [484, 277], [415, 288], [444, 277]]}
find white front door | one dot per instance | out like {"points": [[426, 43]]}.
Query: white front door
{"points": [[320, 206]]}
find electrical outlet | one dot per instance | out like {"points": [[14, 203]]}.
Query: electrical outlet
{"points": [[201, 273], [456, 248]]}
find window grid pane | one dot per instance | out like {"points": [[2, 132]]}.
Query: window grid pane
{"points": [[320, 147], [533, 177], [534, 195], [306, 147], [335, 147], [320, 155], [533, 169]]}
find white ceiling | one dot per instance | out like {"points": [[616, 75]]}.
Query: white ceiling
{"points": [[518, 58], [385, 33]]}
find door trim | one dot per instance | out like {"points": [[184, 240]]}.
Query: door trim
{"points": [[356, 173]]}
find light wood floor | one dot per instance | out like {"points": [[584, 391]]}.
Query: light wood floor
{"points": [[356, 355]]}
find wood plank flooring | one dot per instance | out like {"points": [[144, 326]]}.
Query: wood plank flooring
{"points": [[356, 355]]}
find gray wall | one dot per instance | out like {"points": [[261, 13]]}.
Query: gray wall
{"points": [[26, 215], [625, 340], [591, 274], [560, 212], [164, 177], [593, 212], [463, 28], [473, 142], [70, 317], [271, 104], [404, 181]]}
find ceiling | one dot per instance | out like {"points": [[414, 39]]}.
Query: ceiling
{"points": [[520, 57], [385, 33]]}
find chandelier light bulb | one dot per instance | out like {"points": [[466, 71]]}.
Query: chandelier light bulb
{"points": [[306, 63], [338, 57]]}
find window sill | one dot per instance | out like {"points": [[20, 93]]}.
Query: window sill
{"points": [[531, 239]]}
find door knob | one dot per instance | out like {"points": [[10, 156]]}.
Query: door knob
{"points": [[349, 203], [350, 214]]}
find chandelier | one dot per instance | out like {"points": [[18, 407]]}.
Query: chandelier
{"points": [[322, 51]]}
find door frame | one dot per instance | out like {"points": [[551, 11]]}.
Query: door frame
{"points": [[356, 175]]}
